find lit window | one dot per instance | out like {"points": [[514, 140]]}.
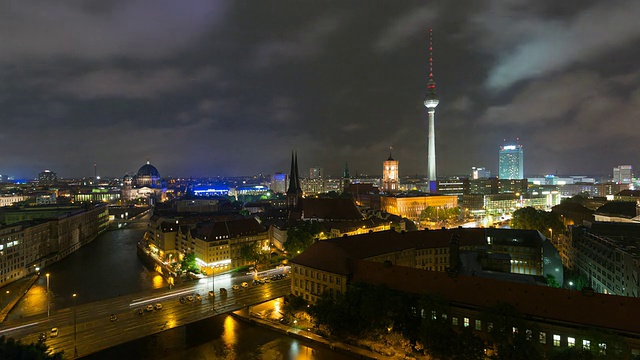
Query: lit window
{"points": [[571, 342], [454, 321], [556, 340], [603, 348], [478, 325], [529, 334], [586, 344], [543, 338], [433, 314], [466, 322]]}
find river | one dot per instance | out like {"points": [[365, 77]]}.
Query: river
{"points": [[109, 267]]}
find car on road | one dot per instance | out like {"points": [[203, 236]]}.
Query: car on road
{"points": [[266, 280], [149, 307], [197, 297], [235, 287], [212, 293], [158, 306], [54, 332], [140, 311], [256, 282], [244, 284], [42, 337], [113, 317], [223, 291], [190, 298], [183, 300]]}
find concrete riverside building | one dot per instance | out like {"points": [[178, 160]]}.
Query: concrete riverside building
{"points": [[554, 317], [35, 237]]}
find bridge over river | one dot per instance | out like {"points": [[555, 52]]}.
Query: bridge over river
{"points": [[87, 328]]}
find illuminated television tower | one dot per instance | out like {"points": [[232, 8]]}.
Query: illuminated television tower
{"points": [[431, 101]]}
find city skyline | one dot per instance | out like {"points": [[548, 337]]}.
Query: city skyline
{"points": [[228, 88]]}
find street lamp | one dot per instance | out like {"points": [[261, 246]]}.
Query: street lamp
{"points": [[47, 295], [75, 328], [551, 231]]}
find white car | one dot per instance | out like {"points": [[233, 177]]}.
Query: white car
{"points": [[235, 287], [149, 307], [245, 285], [158, 306], [54, 332]]}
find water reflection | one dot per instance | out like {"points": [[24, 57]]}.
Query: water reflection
{"points": [[157, 282], [228, 336]]}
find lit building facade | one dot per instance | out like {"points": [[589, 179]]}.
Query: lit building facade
{"points": [[480, 173], [623, 174], [511, 162], [47, 178], [411, 206]]}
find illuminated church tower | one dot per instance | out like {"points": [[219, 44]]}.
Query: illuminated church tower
{"points": [[431, 101], [390, 175]]}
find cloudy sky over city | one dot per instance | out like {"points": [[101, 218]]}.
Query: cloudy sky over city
{"points": [[209, 87]]}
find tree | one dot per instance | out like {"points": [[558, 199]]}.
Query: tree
{"points": [[529, 218], [14, 349], [300, 236], [189, 263], [250, 252], [512, 336]]}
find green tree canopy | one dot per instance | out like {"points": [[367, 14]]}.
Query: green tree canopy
{"points": [[300, 236], [436, 213], [529, 218], [189, 263]]}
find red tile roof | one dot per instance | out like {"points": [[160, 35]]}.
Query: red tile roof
{"points": [[619, 313], [330, 209]]}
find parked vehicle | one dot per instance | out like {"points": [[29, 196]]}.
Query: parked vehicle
{"points": [[149, 307], [113, 318], [244, 284], [158, 306], [54, 332]]}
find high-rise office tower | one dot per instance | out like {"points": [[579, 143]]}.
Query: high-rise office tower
{"points": [[431, 101], [511, 162], [47, 178], [315, 173], [623, 174], [390, 175], [480, 173]]}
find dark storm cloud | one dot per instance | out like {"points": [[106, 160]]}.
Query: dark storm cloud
{"points": [[230, 88]]}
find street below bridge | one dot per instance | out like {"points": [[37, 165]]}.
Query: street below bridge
{"points": [[95, 330]]}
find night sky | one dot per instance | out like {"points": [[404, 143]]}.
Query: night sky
{"points": [[207, 88]]}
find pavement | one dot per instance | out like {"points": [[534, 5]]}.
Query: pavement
{"points": [[11, 294], [306, 333]]}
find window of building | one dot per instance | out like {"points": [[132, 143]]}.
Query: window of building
{"points": [[571, 342], [444, 316], [454, 321], [489, 326], [466, 322], [586, 344], [528, 334], [543, 338], [433, 314], [556, 340], [478, 325], [337, 280], [603, 348]]}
